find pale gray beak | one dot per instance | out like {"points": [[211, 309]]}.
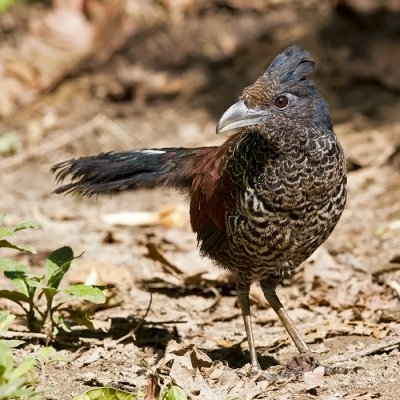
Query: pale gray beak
{"points": [[239, 116]]}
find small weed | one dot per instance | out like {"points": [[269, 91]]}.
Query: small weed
{"points": [[108, 393], [44, 316], [13, 380], [172, 392]]}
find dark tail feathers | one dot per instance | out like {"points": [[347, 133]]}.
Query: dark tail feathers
{"points": [[112, 172]]}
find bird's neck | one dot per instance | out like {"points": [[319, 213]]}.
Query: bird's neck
{"points": [[245, 156]]}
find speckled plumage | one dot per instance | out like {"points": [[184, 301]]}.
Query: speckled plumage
{"points": [[287, 177], [290, 194], [262, 202]]}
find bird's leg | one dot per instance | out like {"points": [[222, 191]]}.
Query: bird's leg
{"points": [[243, 296], [305, 361], [273, 300]]}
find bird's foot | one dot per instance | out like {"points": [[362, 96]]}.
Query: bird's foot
{"points": [[300, 364], [306, 362], [255, 369]]}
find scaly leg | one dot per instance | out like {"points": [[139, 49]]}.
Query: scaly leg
{"points": [[243, 296], [305, 361], [273, 300]]}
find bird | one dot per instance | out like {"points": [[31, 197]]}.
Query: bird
{"points": [[260, 203]]}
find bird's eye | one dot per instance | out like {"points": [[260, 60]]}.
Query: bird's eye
{"points": [[281, 102]]}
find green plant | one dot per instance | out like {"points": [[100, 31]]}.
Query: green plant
{"points": [[108, 393], [6, 320], [45, 356], [7, 233], [40, 296], [170, 391], [13, 380]]}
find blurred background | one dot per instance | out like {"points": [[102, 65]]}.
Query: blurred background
{"points": [[79, 77]]}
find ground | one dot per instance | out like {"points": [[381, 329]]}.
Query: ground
{"points": [[170, 304]]}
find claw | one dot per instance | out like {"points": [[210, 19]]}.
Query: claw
{"points": [[298, 365], [303, 362], [255, 369]]}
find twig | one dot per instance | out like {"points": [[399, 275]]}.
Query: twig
{"points": [[133, 331], [22, 335], [59, 139], [381, 346], [215, 302], [140, 323], [166, 322], [385, 345]]}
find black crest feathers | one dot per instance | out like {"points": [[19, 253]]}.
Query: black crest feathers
{"points": [[291, 66]]}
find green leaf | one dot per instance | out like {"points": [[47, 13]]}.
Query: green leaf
{"points": [[106, 393], [6, 361], [35, 281], [17, 272], [12, 389], [7, 264], [60, 358], [49, 354], [8, 244], [49, 292], [12, 343], [23, 368], [84, 292], [55, 331], [6, 232], [60, 323], [58, 264], [172, 392], [2, 216], [6, 319], [46, 352], [26, 225], [13, 295]]}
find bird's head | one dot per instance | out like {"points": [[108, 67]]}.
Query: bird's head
{"points": [[283, 93]]}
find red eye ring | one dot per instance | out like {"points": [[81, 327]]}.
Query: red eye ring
{"points": [[281, 102]]}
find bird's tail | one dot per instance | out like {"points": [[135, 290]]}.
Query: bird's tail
{"points": [[106, 173]]}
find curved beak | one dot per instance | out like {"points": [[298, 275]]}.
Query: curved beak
{"points": [[239, 116]]}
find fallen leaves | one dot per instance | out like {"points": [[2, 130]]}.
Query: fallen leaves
{"points": [[201, 378]]}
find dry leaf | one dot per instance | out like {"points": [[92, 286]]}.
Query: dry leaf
{"points": [[171, 216], [201, 378], [324, 266], [315, 378]]}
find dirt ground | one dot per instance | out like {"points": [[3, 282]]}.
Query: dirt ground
{"points": [[345, 300]]}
